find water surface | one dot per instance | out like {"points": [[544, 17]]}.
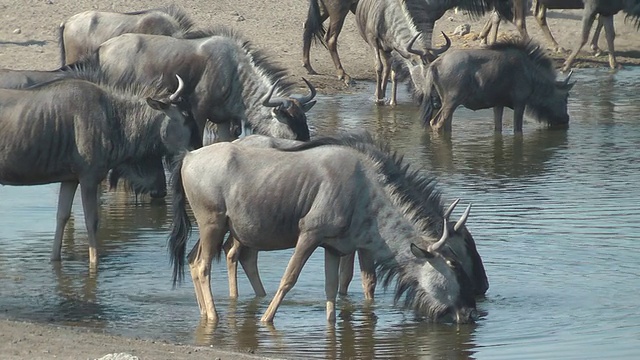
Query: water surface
{"points": [[555, 216]]}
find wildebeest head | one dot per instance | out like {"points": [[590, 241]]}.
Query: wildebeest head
{"points": [[552, 106], [428, 55], [291, 111], [462, 247], [447, 294], [177, 130]]}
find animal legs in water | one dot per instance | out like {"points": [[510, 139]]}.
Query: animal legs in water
{"points": [[194, 275], [587, 21], [89, 192], [65, 200], [331, 265], [497, 118], [248, 258], [346, 273], [518, 118], [211, 237], [232, 249], [305, 247], [368, 273]]}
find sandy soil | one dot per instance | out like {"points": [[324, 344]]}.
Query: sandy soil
{"points": [[28, 40]]}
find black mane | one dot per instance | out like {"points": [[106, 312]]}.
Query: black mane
{"points": [[273, 71], [417, 190], [533, 51]]}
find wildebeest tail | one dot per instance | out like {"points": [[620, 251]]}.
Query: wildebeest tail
{"points": [[313, 26], [181, 225], [63, 54]]}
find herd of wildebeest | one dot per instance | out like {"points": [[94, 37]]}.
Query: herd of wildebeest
{"points": [[140, 92]]}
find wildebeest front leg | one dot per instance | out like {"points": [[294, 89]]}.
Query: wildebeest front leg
{"points": [[346, 272], [497, 118], [89, 193], [232, 249], [610, 34], [518, 118], [331, 265], [367, 273], [249, 260], [587, 21], [65, 201], [305, 247]]}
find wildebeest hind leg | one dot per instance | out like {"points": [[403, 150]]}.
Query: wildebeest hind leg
{"points": [[305, 247], [65, 201], [331, 265], [211, 237], [89, 192], [518, 118]]}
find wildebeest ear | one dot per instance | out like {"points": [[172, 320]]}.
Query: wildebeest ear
{"points": [[420, 253], [308, 105], [157, 105]]}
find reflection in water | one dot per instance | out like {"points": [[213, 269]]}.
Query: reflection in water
{"points": [[555, 217]]}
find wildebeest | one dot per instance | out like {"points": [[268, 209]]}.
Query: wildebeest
{"points": [[142, 177], [73, 131], [82, 34], [229, 82], [604, 10], [357, 196], [388, 25], [461, 241], [319, 11], [425, 15], [511, 74]]}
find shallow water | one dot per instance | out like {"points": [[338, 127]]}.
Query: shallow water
{"points": [[555, 217]]}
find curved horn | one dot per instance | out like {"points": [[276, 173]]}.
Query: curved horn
{"points": [[305, 99], [450, 208], [175, 95], [443, 48], [267, 98], [566, 81], [410, 48], [445, 234], [463, 219]]}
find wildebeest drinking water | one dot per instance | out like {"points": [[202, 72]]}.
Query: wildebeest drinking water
{"points": [[73, 131], [342, 198], [509, 74], [388, 25], [228, 81], [461, 242]]}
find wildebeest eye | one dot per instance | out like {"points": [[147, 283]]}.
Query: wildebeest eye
{"points": [[451, 263]]}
